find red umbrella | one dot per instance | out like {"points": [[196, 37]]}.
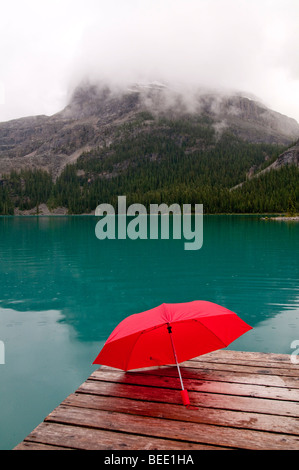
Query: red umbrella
{"points": [[170, 333]]}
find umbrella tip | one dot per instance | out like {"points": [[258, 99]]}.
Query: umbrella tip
{"points": [[186, 400], [185, 397]]}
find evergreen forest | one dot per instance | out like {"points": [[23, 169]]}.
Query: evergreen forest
{"points": [[175, 162]]}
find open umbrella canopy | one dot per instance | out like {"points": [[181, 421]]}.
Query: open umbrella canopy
{"points": [[145, 339]]}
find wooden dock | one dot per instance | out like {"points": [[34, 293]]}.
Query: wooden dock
{"points": [[244, 401]]}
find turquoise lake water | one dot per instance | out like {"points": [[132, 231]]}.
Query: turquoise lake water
{"points": [[62, 291]]}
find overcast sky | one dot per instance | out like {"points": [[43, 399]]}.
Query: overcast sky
{"points": [[48, 46]]}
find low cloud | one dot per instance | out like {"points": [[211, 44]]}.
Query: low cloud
{"points": [[227, 44]]}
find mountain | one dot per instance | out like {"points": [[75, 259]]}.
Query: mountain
{"points": [[152, 143], [95, 115]]}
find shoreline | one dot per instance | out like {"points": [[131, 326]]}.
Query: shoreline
{"points": [[293, 218], [44, 211], [278, 217]]}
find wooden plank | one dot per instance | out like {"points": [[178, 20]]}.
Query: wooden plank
{"points": [[259, 367], [170, 429], [163, 395], [280, 361], [237, 366], [237, 419], [245, 356], [83, 438], [224, 388], [36, 446], [215, 375]]}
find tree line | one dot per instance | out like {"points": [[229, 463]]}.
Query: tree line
{"points": [[178, 161], [275, 191]]}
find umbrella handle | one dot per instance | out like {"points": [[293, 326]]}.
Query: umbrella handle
{"points": [[169, 328], [184, 392]]}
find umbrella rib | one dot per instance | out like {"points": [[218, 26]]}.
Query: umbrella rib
{"points": [[138, 337], [207, 328], [132, 349]]}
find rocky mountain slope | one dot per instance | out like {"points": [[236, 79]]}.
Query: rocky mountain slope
{"points": [[97, 116], [289, 157]]}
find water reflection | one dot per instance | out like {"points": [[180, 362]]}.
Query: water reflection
{"points": [[57, 263], [44, 363], [275, 334]]}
